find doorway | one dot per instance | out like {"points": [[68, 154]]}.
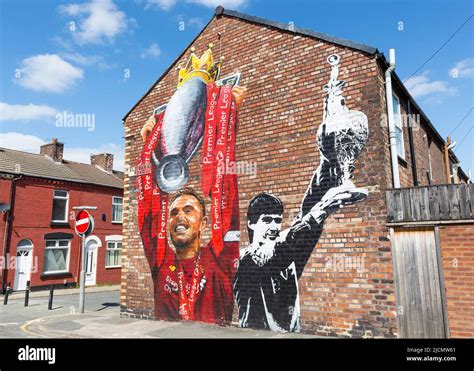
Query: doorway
{"points": [[92, 248], [419, 284], [24, 255]]}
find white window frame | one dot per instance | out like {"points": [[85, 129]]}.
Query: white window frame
{"points": [[68, 257], [24, 247], [117, 205], [115, 239], [397, 115], [29, 247], [66, 213]]}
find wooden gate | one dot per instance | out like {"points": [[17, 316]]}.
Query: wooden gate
{"points": [[419, 285]]}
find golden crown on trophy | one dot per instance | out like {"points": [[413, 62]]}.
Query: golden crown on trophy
{"points": [[203, 67]]}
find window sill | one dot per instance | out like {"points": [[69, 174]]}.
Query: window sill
{"points": [[59, 224], [114, 267], [402, 161], [56, 275], [117, 222]]}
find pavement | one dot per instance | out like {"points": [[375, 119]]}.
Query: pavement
{"points": [[102, 319]]}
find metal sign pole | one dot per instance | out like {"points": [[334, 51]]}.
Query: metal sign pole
{"points": [[83, 235], [82, 277]]}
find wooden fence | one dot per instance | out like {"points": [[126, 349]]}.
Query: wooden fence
{"points": [[433, 203]]}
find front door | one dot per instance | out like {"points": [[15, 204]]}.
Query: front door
{"points": [[91, 262], [23, 269], [418, 284]]}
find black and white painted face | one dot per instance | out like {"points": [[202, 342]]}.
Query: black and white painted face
{"points": [[267, 227]]}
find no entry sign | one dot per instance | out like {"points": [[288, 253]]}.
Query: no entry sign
{"points": [[84, 223]]}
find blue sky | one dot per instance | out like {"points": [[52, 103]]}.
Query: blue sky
{"points": [[59, 56]]}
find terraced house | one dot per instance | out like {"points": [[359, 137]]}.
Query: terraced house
{"points": [[37, 196]]}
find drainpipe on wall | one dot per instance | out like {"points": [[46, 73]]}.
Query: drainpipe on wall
{"points": [[455, 173], [391, 121], [412, 146], [447, 166], [7, 236]]}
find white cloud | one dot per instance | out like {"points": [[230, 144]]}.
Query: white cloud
{"points": [[231, 4], [168, 4], [99, 21], [21, 142], [65, 44], [162, 4], [25, 112], [421, 86], [463, 69], [82, 154], [86, 60], [49, 73], [153, 51], [196, 22], [31, 143]]}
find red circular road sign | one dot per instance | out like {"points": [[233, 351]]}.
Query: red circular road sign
{"points": [[83, 222]]}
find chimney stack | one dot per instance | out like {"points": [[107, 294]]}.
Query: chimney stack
{"points": [[53, 150], [103, 160]]}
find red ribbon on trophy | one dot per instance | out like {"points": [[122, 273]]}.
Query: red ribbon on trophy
{"points": [[217, 191], [231, 204], [152, 202], [218, 157], [209, 142]]}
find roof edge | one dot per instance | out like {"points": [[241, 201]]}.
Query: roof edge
{"points": [[220, 11], [297, 30], [402, 86], [63, 160], [75, 181]]}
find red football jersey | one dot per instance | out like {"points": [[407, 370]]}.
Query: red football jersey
{"points": [[214, 303]]}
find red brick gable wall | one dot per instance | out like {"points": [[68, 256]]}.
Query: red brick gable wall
{"points": [[284, 74]]}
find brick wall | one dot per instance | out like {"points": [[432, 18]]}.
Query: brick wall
{"points": [[5, 189], [458, 265], [284, 74], [437, 163], [428, 149]]}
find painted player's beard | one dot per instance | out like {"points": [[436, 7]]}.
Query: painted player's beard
{"points": [[181, 241], [265, 249], [271, 235]]}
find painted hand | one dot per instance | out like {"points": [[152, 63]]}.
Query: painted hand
{"points": [[239, 93], [337, 197], [147, 128]]}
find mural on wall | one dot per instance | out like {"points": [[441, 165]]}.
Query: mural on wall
{"points": [[195, 280], [191, 281], [266, 281]]}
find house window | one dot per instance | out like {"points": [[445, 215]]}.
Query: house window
{"points": [[60, 203], [25, 244], [398, 127], [117, 207], [114, 254], [56, 257], [24, 248]]}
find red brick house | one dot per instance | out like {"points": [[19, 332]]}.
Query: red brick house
{"points": [[37, 196], [398, 263]]}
